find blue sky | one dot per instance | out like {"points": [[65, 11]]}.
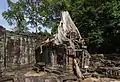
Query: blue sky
{"points": [[4, 7]]}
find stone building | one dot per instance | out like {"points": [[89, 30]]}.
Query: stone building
{"points": [[16, 49]]}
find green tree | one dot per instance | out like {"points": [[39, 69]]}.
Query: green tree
{"points": [[97, 20], [15, 16], [45, 33]]}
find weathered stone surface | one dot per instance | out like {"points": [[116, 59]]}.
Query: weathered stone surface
{"points": [[16, 50], [39, 79], [105, 64], [99, 80], [6, 79]]}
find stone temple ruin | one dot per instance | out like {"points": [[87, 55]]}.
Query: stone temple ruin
{"points": [[59, 58], [66, 55], [63, 50]]}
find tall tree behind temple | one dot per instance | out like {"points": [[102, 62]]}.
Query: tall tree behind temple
{"points": [[15, 16], [24, 14], [97, 20]]}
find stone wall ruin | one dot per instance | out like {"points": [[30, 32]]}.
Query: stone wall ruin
{"points": [[16, 50]]}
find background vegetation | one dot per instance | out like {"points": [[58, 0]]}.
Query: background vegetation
{"points": [[97, 20]]}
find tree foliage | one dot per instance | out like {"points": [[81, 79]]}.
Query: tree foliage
{"points": [[97, 20], [15, 16]]}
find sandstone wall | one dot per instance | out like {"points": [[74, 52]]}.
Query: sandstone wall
{"points": [[16, 50]]}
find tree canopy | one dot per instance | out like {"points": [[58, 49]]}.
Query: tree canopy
{"points": [[97, 20]]}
